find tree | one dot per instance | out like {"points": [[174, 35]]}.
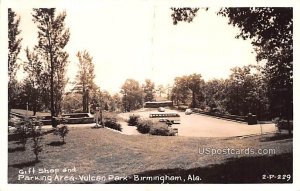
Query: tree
{"points": [[14, 47], [160, 89], [71, 102], [186, 14], [244, 92], [105, 100], [31, 95], [180, 91], [149, 90], [132, 95], [116, 103], [33, 83], [271, 31], [186, 87], [53, 36], [85, 78], [195, 84], [215, 94]]}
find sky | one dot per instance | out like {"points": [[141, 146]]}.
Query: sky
{"points": [[141, 42]]}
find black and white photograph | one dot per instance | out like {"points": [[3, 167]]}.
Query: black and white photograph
{"points": [[148, 93]]}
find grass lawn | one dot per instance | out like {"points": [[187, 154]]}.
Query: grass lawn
{"points": [[105, 153]]}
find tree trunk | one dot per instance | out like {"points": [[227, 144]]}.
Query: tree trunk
{"points": [[52, 93]]}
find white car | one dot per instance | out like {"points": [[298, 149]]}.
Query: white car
{"points": [[161, 109], [188, 112]]}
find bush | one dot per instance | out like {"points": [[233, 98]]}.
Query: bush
{"points": [[161, 129], [62, 132], [22, 132], [133, 120], [62, 129], [283, 124], [147, 126], [111, 123], [143, 126]]}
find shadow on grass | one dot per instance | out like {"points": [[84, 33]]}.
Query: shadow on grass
{"points": [[276, 137], [56, 143], [24, 164], [12, 150], [16, 136], [235, 170]]}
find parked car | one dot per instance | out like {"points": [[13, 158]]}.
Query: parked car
{"points": [[188, 112], [161, 109]]}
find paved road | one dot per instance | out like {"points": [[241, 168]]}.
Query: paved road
{"points": [[196, 125]]}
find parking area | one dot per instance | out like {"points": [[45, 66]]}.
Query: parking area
{"points": [[196, 125]]}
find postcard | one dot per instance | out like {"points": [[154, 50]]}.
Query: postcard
{"points": [[148, 93]]}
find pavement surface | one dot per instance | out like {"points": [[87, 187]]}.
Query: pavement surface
{"points": [[196, 125]]}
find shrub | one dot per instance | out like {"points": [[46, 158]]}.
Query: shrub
{"points": [[62, 129], [144, 126], [22, 132], [133, 120], [34, 126], [111, 123], [161, 129], [158, 128], [283, 124]]}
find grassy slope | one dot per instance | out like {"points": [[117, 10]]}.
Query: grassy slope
{"points": [[104, 152]]}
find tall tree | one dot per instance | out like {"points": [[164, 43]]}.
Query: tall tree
{"points": [[186, 87], [53, 36], [215, 94], [33, 83], [116, 104], [160, 89], [71, 102], [149, 90], [14, 47], [195, 83], [180, 92], [132, 95], [85, 78]]}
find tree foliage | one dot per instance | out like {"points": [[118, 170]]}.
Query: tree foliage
{"points": [[14, 42], [34, 84], [53, 36], [85, 78], [14, 47], [132, 95], [271, 31], [214, 92], [186, 14], [180, 91], [149, 90], [242, 93], [186, 88]]}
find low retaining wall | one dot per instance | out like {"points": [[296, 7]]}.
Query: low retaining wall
{"points": [[73, 118], [250, 119]]}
